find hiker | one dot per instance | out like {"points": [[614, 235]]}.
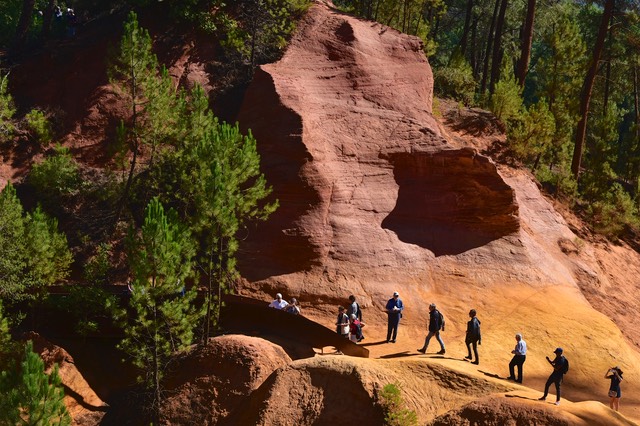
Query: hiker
{"points": [[355, 328], [560, 367], [473, 337], [354, 308], [293, 307], [72, 23], [279, 303], [394, 309], [519, 357], [436, 323], [342, 323], [615, 374]]}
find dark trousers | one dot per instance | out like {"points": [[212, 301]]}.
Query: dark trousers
{"points": [[517, 360], [473, 343], [392, 326], [555, 378]]}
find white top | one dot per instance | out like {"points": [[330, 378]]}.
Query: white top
{"points": [[279, 304], [521, 348]]}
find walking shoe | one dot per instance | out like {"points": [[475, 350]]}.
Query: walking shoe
{"points": [[467, 357], [542, 398], [393, 340], [441, 352], [423, 350], [511, 378], [476, 362], [557, 402]]}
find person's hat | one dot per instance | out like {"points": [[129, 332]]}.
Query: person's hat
{"points": [[433, 305], [395, 293], [278, 296], [558, 351], [294, 300]]}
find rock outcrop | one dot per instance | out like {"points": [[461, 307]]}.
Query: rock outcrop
{"points": [[213, 380], [84, 406]]}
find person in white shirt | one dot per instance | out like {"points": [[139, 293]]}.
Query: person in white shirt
{"points": [[519, 357], [279, 303]]}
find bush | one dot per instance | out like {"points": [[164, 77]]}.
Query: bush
{"points": [[506, 101], [456, 80], [611, 215], [392, 405], [56, 175], [39, 126], [7, 110], [531, 135]]}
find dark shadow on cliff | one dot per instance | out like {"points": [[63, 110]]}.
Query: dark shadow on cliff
{"points": [[450, 202], [277, 246]]}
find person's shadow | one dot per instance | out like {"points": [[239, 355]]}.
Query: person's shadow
{"points": [[381, 342]]}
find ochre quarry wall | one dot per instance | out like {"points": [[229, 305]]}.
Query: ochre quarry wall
{"points": [[378, 196]]}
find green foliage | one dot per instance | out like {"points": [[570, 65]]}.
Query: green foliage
{"points": [[7, 109], [614, 212], [32, 397], [395, 414], [39, 126], [96, 270], [456, 80], [531, 135], [33, 253], [213, 178], [506, 101], [55, 176], [160, 258]]}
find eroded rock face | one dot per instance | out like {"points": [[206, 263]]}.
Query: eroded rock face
{"points": [[367, 182], [84, 406], [213, 380]]}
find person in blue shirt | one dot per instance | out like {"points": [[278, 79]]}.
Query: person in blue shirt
{"points": [[519, 357], [394, 313]]}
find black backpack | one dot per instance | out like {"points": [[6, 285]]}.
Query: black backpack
{"points": [[565, 367]]}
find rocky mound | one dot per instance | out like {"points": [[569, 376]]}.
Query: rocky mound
{"points": [[210, 382], [84, 406]]}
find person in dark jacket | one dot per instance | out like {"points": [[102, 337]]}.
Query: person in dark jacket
{"points": [[473, 337], [560, 366], [436, 323]]}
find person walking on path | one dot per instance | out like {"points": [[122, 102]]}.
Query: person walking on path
{"points": [[394, 309], [342, 323], [473, 337], [560, 366], [615, 374], [436, 323], [519, 357], [279, 302], [355, 328]]}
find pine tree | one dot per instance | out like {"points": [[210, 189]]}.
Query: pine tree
{"points": [[32, 397], [160, 258], [7, 110], [151, 97]]}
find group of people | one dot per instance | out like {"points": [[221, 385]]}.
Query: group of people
{"points": [[291, 307], [349, 325], [473, 338]]}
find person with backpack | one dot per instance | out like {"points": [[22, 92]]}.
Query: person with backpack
{"points": [[473, 337], [355, 328], [436, 323], [615, 374], [354, 308], [560, 366]]}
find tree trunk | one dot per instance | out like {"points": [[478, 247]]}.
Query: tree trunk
{"points": [[587, 88], [23, 24], [47, 18], [607, 79], [487, 53], [467, 26], [496, 60], [527, 40]]}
